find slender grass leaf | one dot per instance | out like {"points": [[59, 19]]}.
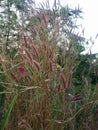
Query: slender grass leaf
{"points": [[7, 115]]}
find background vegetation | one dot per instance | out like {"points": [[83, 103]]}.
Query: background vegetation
{"points": [[46, 83]]}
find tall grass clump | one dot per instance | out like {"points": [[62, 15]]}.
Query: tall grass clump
{"points": [[42, 85]]}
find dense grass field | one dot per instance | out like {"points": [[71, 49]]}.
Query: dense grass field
{"points": [[46, 83]]}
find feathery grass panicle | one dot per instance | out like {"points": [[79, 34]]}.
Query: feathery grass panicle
{"points": [[34, 49], [25, 40], [37, 65], [63, 79]]}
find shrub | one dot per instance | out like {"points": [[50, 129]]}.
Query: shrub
{"points": [[39, 87]]}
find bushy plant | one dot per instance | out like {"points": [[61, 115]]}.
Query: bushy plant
{"points": [[39, 78]]}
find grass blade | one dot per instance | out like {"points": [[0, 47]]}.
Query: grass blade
{"points": [[7, 115]]}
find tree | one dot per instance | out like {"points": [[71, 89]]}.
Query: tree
{"points": [[9, 23]]}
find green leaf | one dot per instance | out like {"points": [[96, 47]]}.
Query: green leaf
{"points": [[7, 115], [37, 97]]}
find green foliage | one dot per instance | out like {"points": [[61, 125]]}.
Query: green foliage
{"points": [[8, 113]]}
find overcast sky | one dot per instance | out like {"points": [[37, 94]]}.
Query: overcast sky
{"points": [[90, 22]]}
